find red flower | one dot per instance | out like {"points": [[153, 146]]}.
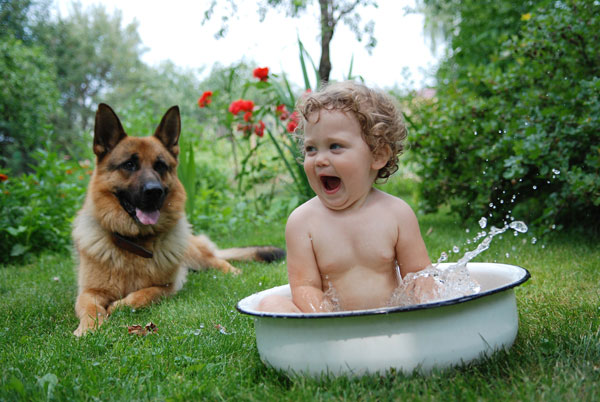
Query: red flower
{"points": [[282, 112], [262, 73], [291, 126], [241, 105], [293, 123], [246, 128], [205, 99], [247, 116], [259, 129], [3, 177]]}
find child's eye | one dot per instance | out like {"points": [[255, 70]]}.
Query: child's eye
{"points": [[335, 146], [309, 149]]}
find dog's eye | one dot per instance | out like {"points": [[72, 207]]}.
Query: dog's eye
{"points": [[160, 167], [130, 166]]}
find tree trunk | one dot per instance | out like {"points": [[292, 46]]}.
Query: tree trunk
{"points": [[327, 27]]}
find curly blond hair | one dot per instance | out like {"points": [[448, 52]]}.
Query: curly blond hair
{"points": [[381, 122]]}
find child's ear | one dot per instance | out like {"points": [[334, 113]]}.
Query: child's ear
{"points": [[381, 157]]}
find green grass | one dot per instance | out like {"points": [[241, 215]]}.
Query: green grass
{"points": [[556, 355]]}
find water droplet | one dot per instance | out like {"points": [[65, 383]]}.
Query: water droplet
{"points": [[483, 222], [455, 249], [475, 132], [534, 187], [556, 171], [507, 255], [443, 257], [518, 226], [467, 230], [533, 241], [553, 227]]}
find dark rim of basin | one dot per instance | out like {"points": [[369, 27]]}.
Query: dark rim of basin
{"points": [[389, 310]]}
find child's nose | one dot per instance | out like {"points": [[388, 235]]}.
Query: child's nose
{"points": [[322, 159]]}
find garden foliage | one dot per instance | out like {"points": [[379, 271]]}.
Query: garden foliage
{"points": [[38, 208], [28, 91], [519, 133]]}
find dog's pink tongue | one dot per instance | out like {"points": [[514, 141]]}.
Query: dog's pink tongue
{"points": [[147, 218]]}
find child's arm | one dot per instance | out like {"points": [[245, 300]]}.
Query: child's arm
{"points": [[303, 272], [411, 253]]}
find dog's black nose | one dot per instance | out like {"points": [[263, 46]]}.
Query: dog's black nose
{"points": [[152, 192]]}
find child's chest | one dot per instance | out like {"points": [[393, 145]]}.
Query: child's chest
{"points": [[354, 243]]}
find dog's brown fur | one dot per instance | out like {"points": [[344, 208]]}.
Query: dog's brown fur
{"points": [[135, 180]]}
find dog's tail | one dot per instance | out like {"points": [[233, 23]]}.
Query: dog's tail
{"points": [[254, 253]]}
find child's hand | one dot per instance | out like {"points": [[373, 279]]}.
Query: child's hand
{"points": [[424, 289]]}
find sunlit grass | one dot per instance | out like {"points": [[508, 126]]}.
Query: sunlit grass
{"points": [[205, 349]]}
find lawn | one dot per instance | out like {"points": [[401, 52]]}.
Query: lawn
{"points": [[205, 349]]}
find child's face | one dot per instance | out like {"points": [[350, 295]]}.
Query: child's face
{"points": [[339, 165]]}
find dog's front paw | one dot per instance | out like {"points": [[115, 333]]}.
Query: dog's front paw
{"points": [[115, 305], [88, 324]]}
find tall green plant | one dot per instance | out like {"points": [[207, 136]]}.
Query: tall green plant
{"points": [[186, 171]]}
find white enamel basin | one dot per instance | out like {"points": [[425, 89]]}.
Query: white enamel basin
{"points": [[439, 334]]}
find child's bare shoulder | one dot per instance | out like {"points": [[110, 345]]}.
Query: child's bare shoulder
{"points": [[397, 204], [399, 212], [303, 213]]}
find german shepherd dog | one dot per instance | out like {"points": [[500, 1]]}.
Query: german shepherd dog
{"points": [[131, 236]]}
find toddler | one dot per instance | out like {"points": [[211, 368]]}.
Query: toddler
{"points": [[346, 245]]}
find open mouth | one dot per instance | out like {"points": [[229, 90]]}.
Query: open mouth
{"points": [[330, 183], [145, 217]]}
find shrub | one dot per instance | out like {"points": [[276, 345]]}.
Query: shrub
{"points": [[38, 208], [520, 134]]}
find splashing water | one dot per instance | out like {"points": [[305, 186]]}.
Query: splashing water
{"points": [[434, 284], [331, 301]]}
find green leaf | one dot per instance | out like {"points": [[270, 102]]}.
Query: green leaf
{"points": [[18, 249]]}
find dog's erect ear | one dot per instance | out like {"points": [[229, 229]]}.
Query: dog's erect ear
{"points": [[108, 131], [169, 129]]}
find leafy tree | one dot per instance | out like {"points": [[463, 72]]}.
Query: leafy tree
{"points": [[331, 13], [515, 129], [18, 18], [27, 85], [93, 54], [140, 102]]}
